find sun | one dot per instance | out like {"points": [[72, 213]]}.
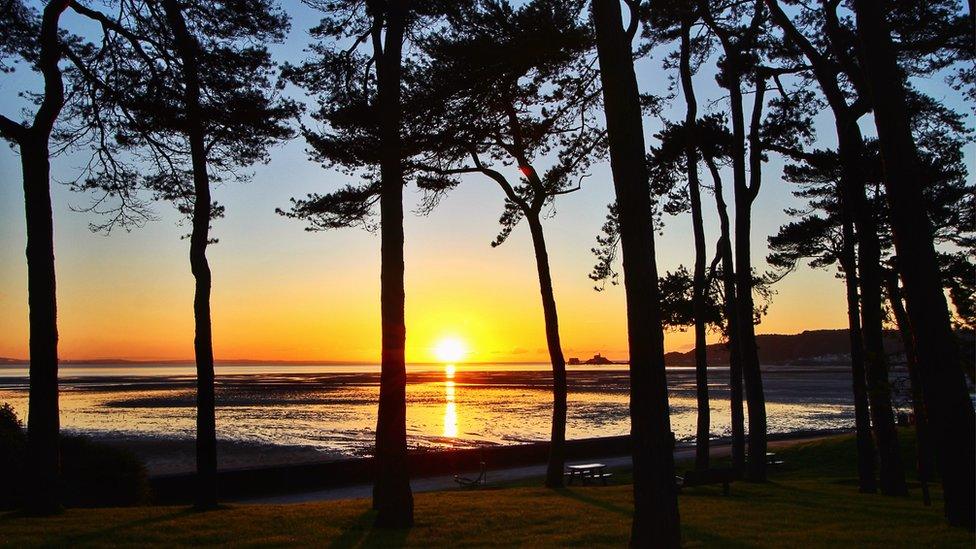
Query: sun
{"points": [[450, 349]]}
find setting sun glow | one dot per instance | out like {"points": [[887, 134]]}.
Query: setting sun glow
{"points": [[450, 350]]}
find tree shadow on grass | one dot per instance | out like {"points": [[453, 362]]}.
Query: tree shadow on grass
{"points": [[589, 500], [692, 535], [360, 532], [106, 534]]}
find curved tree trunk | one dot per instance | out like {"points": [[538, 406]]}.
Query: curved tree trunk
{"points": [[748, 349], [557, 448], [732, 323], [206, 444], [392, 496], [656, 522], [923, 443], [856, 209], [698, 286], [947, 399], [862, 418]]}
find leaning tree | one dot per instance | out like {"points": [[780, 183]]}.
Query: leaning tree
{"points": [[822, 234], [948, 403], [847, 104], [487, 100]]}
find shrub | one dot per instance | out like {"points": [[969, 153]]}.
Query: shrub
{"points": [[13, 456], [9, 421], [92, 474]]}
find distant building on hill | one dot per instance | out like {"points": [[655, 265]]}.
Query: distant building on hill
{"points": [[597, 359]]}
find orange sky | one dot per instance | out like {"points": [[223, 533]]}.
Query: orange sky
{"points": [[282, 293]]}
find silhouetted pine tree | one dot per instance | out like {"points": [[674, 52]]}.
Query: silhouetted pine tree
{"points": [[356, 74], [739, 34], [853, 201], [754, 59], [490, 99], [671, 21], [950, 409], [35, 39], [189, 87], [667, 165], [714, 141]]}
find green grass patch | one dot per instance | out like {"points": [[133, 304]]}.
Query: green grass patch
{"points": [[810, 501]]}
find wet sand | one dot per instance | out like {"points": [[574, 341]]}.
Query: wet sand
{"points": [[277, 418], [169, 456]]}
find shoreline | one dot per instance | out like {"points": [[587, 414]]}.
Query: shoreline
{"points": [[174, 456], [267, 481]]}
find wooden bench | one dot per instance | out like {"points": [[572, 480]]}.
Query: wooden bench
{"points": [[693, 478]]}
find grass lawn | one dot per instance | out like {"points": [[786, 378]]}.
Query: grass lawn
{"points": [[811, 500]]}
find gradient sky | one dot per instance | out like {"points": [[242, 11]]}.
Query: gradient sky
{"points": [[281, 293]]}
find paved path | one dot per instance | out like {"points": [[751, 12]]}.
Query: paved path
{"points": [[446, 482]]}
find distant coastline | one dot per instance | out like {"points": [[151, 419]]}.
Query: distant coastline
{"points": [[828, 347]]}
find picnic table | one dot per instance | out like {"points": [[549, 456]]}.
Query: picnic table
{"points": [[587, 471]]}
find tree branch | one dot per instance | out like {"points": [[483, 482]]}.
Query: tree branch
{"points": [[12, 130]]}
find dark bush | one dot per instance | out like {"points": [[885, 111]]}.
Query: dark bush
{"points": [[97, 475], [92, 474], [13, 455], [8, 419]]}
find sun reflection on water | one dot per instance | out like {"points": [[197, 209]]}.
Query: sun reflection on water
{"points": [[450, 407]]}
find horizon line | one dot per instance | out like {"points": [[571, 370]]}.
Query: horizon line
{"points": [[6, 361], [332, 362]]}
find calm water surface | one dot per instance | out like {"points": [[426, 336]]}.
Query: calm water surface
{"points": [[333, 407]]}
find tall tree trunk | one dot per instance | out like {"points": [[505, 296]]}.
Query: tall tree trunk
{"points": [[188, 50], [43, 421], [732, 323], [736, 390], [923, 444], [862, 418], [392, 496], [698, 286], [745, 194], [656, 521], [557, 448], [947, 400], [891, 470]]}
